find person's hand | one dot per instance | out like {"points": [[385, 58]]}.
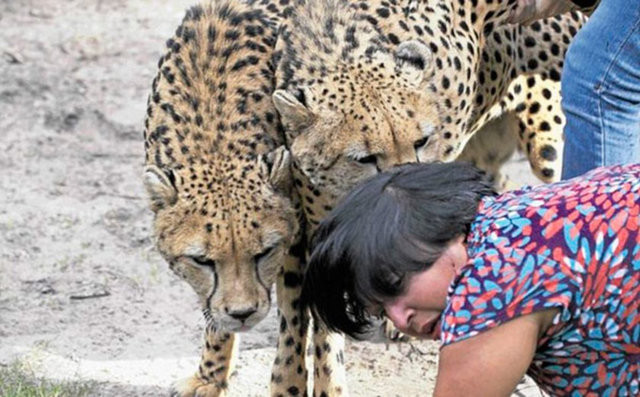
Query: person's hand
{"points": [[527, 11]]}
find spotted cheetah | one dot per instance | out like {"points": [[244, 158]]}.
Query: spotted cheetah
{"points": [[366, 85], [467, 66], [219, 184]]}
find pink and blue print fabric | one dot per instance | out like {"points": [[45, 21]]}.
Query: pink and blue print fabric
{"points": [[573, 246]]}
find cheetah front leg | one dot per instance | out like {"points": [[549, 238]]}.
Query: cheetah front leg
{"points": [[289, 373], [392, 334], [329, 378], [216, 366]]}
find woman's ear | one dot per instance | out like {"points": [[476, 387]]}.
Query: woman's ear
{"points": [[458, 252]]}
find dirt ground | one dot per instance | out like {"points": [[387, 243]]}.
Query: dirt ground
{"points": [[83, 293]]}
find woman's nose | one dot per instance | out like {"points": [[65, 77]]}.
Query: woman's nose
{"points": [[398, 314]]}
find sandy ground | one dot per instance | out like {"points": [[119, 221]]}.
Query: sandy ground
{"points": [[83, 293]]}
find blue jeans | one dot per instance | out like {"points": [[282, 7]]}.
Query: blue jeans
{"points": [[601, 90]]}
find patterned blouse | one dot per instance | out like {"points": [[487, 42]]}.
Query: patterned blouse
{"points": [[573, 246]]}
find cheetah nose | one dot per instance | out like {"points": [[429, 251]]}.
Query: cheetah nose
{"points": [[242, 314]]}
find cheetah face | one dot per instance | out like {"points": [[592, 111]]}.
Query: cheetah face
{"points": [[366, 116], [226, 230]]}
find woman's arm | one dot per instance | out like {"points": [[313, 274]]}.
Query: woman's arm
{"points": [[493, 362]]}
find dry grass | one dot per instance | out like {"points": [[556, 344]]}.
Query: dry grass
{"points": [[19, 380]]}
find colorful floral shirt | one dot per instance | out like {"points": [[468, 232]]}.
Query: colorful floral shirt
{"points": [[573, 246]]}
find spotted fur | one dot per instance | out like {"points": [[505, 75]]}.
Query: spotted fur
{"points": [[366, 85], [219, 184]]}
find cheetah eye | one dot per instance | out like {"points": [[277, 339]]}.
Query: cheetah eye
{"points": [[371, 159], [421, 142], [203, 261], [261, 256]]}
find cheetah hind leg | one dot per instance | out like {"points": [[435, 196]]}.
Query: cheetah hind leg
{"points": [[215, 369], [541, 124], [491, 147]]}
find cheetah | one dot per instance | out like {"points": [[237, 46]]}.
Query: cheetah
{"points": [[366, 85], [473, 67], [219, 185]]}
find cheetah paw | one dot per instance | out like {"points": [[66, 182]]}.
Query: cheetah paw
{"points": [[194, 386], [392, 334]]}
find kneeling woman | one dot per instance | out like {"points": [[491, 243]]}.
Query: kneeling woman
{"points": [[543, 280]]}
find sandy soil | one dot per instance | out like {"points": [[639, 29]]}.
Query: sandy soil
{"points": [[83, 293]]}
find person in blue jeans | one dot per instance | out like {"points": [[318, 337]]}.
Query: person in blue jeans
{"points": [[600, 82]]}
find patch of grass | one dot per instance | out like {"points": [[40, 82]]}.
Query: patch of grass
{"points": [[18, 380]]}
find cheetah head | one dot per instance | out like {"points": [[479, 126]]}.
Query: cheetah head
{"points": [[225, 227], [366, 115]]}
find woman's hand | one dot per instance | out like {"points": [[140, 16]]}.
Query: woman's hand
{"points": [[528, 11]]}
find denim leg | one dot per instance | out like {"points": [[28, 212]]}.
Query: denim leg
{"points": [[601, 90]]}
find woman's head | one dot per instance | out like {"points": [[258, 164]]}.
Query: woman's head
{"points": [[396, 224]]}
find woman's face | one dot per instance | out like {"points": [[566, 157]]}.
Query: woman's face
{"points": [[417, 311]]}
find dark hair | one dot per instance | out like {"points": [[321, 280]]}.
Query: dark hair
{"points": [[392, 225]]}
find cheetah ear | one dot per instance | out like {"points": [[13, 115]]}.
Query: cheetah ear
{"points": [[277, 164], [161, 187], [294, 114], [414, 59]]}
